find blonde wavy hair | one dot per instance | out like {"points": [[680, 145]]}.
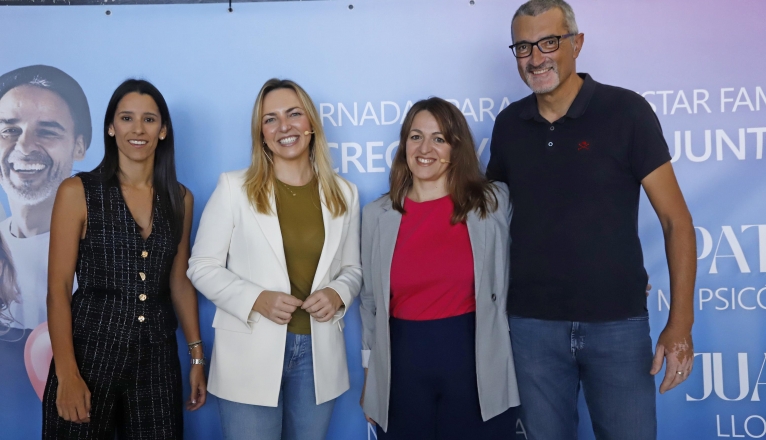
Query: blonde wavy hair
{"points": [[260, 179]]}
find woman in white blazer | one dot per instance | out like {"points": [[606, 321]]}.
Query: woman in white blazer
{"points": [[277, 252]]}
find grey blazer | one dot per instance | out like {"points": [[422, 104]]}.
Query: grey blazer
{"points": [[490, 243]]}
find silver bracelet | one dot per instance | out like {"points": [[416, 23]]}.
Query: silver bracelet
{"points": [[195, 361], [194, 344]]}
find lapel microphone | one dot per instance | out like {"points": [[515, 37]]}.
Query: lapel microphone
{"points": [[306, 133], [444, 161]]}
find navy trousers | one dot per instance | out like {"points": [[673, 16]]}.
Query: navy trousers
{"points": [[433, 383]]}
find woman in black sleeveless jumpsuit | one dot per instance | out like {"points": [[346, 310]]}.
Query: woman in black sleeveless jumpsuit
{"points": [[123, 320]]}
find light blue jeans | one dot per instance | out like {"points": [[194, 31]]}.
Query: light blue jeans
{"points": [[611, 360], [296, 416]]}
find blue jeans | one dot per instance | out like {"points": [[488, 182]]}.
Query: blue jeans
{"points": [[610, 359], [296, 416]]}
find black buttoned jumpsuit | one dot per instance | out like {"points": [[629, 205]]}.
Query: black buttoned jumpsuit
{"points": [[123, 325]]}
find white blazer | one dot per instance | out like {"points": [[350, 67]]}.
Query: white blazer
{"points": [[238, 253]]}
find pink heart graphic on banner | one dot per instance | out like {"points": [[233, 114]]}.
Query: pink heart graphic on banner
{"points": [[37, 357]]}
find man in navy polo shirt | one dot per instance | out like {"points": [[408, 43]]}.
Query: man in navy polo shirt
{"points": [[575, 155]]}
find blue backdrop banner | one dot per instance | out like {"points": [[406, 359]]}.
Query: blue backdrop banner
{"points": [[699, 63]]}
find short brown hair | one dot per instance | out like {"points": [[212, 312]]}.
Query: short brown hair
{"points": [[468, 187]]}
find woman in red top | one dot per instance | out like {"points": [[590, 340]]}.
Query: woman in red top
{"points": [[436, 348]]}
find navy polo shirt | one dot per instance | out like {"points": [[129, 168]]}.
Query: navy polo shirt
{"points": [[575, 185]]}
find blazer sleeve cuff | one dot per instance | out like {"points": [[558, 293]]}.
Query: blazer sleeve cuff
{"points": [[253, 317], [347, 299], [242, 305]]}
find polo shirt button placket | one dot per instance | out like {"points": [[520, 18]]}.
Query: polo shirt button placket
{"points": [[549, 136]]}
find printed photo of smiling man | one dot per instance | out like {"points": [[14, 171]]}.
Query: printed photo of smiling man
{"points": [[45, 126]]}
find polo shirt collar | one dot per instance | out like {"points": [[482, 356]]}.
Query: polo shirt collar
{"points": [[579, 105]]}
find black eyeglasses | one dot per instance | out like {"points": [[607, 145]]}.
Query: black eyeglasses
{"points": [[550, 44]]}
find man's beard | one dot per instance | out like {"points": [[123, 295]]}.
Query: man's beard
{"points": [[32, 192], [539, 90]]}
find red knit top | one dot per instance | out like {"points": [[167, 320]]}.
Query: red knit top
{"points": [[432, 269]]}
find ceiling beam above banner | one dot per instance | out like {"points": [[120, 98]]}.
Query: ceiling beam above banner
{"points": [[128, 2]]}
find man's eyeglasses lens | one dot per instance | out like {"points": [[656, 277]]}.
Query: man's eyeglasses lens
{"points": [[546, 45]]}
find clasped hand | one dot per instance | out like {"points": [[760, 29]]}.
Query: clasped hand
{"points": [[279, 307]]}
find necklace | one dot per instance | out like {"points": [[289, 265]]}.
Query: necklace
{"points": [[284, 185]]}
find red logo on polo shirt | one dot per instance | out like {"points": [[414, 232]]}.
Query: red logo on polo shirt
{"points": [[583, 146]]}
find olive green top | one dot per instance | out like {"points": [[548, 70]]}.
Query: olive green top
{"points": [[299, 211]]}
